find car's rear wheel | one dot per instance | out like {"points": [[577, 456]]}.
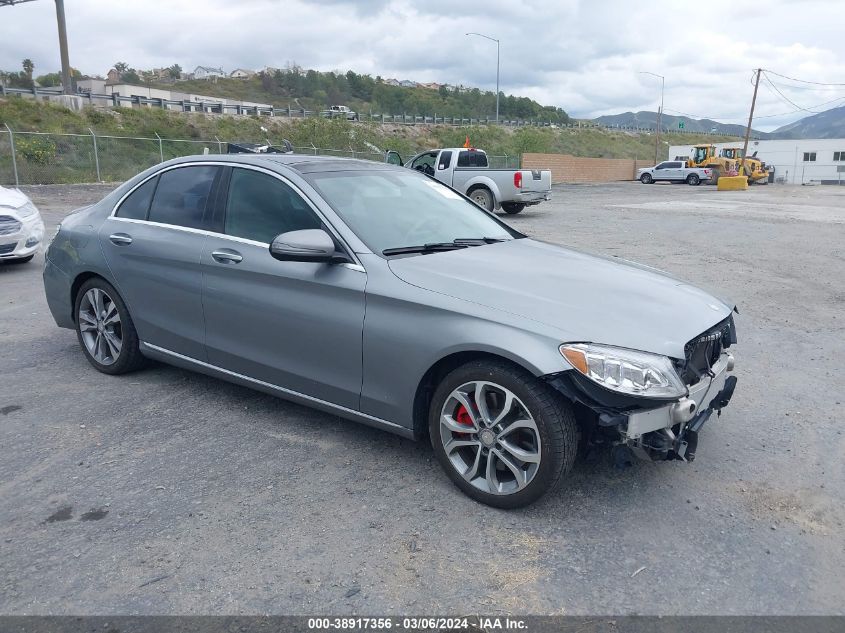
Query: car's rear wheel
{"points": [[646, 179], [693, 179], [502, 436], [512, 208], [482, 197], [105, 329]]}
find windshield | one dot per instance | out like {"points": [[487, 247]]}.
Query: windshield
{"points": [[391, 209]]}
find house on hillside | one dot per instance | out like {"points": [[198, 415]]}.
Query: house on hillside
{"points": [[207, 72], [431, 85], [241, 73], [391, 82], [407, 83], [112, 77]]}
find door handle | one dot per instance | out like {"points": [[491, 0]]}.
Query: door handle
{"points": [[226, 256], [121, 239]]}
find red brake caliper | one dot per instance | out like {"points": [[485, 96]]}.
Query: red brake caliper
{"points": [[463, 418]]}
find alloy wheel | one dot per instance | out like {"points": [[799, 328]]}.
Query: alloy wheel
{"points": [[100, 326], [490, 437]]}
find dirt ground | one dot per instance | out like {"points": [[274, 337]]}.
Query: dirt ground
{"points": [[169, 492]]}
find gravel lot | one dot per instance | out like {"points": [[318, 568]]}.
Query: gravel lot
{"points": [[169, 492]]}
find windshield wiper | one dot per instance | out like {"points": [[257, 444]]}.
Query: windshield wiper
{"points": [[435, 247]]}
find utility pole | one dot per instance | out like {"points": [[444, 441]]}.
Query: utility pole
{"points": [[750, 117], [67, 88], [659, 110]]}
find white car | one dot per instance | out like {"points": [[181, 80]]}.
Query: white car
{"points": [[21, 226]]}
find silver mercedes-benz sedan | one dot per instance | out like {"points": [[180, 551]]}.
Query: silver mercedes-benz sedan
{"points": [[383, 296]]}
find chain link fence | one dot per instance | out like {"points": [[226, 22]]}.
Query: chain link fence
{"points": [[41, 158]]}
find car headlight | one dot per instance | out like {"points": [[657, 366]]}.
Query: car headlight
{"points": [[625, 371], [27, 210]]}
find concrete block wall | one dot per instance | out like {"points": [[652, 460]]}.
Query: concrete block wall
{"points": [[566, 168]]}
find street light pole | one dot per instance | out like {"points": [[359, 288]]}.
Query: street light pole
{"points": [[659, 110], [60, 18], [493, 39]]}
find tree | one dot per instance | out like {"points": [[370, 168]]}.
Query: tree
{"points": [[443, 90], [131, 76], [175, 71], [121, 67], [48, 80], [28, 67]]}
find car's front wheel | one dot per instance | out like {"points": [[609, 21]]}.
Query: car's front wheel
{"points": [[503, 437], [105, 329], [646, 179]]}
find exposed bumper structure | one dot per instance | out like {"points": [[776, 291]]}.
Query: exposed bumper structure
{"points": [[671, 431]]}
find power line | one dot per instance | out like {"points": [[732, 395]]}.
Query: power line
{"points": [[795, 105], [803, 81]]}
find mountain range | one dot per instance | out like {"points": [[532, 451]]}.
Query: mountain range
{"points": [[827, 124]]}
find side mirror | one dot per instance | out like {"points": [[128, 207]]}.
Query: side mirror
{"points": [[308, 245]]}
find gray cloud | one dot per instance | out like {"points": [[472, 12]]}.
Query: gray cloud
{"points": [[582, 56]]}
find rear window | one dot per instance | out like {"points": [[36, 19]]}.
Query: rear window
{"points": [[445, 160], [181, 196], [472, 159]]}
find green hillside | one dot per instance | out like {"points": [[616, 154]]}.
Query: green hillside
{"points": [[313, 90], [62, 157]]}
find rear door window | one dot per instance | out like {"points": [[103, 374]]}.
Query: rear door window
{"points": [[182, 196], [472, 159], [137, 204], [445, 160]]}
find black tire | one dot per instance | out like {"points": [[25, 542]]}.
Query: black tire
{"points": [[512, 208], [130, 357], [715, 174], [693, 179], [646, 179], [483, 197], [552, 414]]}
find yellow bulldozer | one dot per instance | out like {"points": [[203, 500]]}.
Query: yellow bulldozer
{"points": [[706, 156], [755, 169]]}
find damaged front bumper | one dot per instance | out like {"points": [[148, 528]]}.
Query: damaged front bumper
{"points": [[671, 431], [656, 431]]}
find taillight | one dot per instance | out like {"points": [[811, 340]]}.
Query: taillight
{"points": [[517, 180]]}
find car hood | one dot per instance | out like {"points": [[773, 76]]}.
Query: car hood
{"points": [[587, 298], [12, 199]]}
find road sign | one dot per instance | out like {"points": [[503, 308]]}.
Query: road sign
{"points": [[681, 125]]}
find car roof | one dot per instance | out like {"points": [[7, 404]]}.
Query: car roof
{"points": [[302, 163]]}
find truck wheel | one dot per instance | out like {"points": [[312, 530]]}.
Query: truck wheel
{"points": [[512, 208], [482, 197], [693, 179], [646, 179], [502, 436]]}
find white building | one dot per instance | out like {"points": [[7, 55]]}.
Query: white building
{"points": [[796, 161], [194, 102], [241, 73], [207, 72]]}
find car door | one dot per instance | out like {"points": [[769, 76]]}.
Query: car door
{"points": [[444, 162], [153, 244], [296, 325]]}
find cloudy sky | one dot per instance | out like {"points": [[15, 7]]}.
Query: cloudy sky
{"points": [[583, 56]]}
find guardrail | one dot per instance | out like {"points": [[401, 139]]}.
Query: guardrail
{"points": [[218, 107], [42, 158]]}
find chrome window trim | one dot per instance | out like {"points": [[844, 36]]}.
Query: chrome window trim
{"points": [[355, 265], [376, 421]]}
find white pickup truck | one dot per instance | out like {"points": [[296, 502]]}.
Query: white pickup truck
{"points": [[674, 171], [467, 171]]}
